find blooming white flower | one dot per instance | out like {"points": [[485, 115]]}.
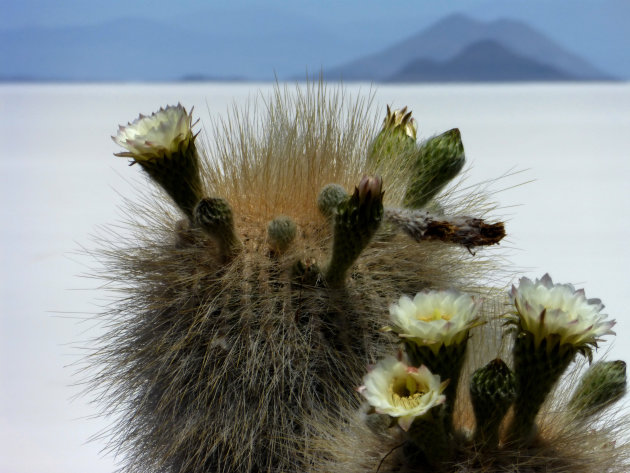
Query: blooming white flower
{"points": [[435, 318], [545, 309], [156, 135], [402, 391]]}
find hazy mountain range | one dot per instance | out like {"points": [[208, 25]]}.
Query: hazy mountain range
{"points": [[456, 48], [459, 48]]}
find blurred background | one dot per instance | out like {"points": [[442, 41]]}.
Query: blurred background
{"points": [[369, 40], [538, 88]]}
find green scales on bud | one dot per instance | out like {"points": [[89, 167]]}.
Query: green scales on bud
{"points": [[355, 223], [437, 161], [281, 232], [396, 140], [164, 146], [603, 384], [330, 198], [492, 392], [214, 216]]}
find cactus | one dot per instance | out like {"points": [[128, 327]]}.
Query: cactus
{"points": [[602, 385], [492, 392], [281, 232], [245, 320], [330, 198], [553, 324], [438, 161]]}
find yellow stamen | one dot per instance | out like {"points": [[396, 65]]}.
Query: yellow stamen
{"points": [[435, 315], [405, 393]]}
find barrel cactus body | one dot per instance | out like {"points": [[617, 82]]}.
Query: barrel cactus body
{"points": [[245, 315]]}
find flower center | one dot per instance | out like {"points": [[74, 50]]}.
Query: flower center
{"points": [[437, 314], [406, 392]]}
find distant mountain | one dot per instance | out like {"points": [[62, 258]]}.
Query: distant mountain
{"points": [[255, 44], [451, 36], [483, 61], [137, 49]]}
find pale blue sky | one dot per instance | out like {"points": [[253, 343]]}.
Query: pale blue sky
{"points": [[594, 29]]}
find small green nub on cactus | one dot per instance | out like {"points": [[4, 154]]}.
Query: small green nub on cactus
{"points": [[356, 221], [330, 198], [492, 392], [603, 384], [214, 216], [396, 138], [281, 232], [438, 161]]}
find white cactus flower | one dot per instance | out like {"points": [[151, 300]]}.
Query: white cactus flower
{"points": [[435, 318], [402, 391], [157, 135], [546, 309]]}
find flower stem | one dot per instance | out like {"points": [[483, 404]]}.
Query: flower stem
{"points": [[537, 369]]}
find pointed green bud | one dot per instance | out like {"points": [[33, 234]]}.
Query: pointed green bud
{"points": [[214, 216], [603, 384], [281, 232], [492, 392], [356, 221], [396, 139], [438, 161], [329, 199]]}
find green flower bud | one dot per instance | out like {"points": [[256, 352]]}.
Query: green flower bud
{"points": [[437, 161], [356, 221], [396, 139], [603, 384], [492, 392]]}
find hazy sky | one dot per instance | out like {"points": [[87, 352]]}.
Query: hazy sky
{"points": [[18, 13], [595, 29]]}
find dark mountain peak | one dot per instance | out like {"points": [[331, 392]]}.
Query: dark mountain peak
{"points": [[455, 20], [452, 36], [483, 61], [485, 48]]}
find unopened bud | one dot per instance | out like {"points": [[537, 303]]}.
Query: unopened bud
{"points": [[603, 384], [396, 141], [370, 189], [492, 391], [439, 160]]}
